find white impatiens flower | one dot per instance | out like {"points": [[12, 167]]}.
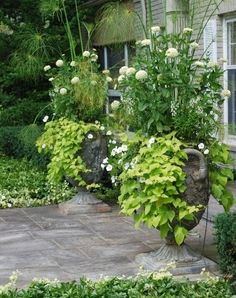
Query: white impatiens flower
{"points": [[73, 63], [44, 146], [172, 53], [225, 93], [146, 42], [206, 151], [45, 118], [109, 79], [187, 30], [86, 54], [141, 75], [115, 105], [63, 91], [122, 70], [194, 45], [109, 133], [109, 168], [75, 80], [59, 63], [130, 71], [201, 146], [51, 79], [155, 29], [121, 78], [90, 136], [199, 63], [46, 67]]}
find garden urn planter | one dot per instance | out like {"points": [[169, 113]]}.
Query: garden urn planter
{"points": [[186, 260]]}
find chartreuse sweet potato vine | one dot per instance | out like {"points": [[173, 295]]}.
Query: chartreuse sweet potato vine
{"points": [[63, 140]]}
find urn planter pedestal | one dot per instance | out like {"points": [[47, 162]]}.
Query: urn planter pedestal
{"points": [[186, 260]]}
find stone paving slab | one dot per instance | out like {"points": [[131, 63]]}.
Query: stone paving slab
{"points": [[41, 242]]}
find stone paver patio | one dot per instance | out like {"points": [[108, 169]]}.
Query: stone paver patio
{"points": [[41, 242]]}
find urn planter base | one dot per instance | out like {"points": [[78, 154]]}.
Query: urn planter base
{"points": [[84, 202], [186, 260]]}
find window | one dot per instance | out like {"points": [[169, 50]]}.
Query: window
{"points": [[231, 75]]}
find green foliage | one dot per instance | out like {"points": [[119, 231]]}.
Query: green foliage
{"points": [[137, 287], [150, 172], [9, 142], [225, 233], [63, 140], [220, 174], [24, 185], [84, 99], [24, 113], [173, 91]]}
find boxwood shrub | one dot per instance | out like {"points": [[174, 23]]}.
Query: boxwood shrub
{"points": [[225, 233], [139, 287]]}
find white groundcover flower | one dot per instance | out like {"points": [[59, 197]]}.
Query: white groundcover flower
{"points": [[225, 93], [115, 105], [73, 63], [187, 30], [201, 146], [206, 151], [59, 63], [45, 118], [194, 45], [90, 136], [86, 54], [141, 75], [109, 79], [146, 42], [199, 63], [46, 67], [63, 91], [130, 71], [109, 168], [155, 29], [121, 78], [172, 53], [122, 70], [75, 80]]}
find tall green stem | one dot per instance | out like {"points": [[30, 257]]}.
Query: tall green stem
{"points": [[79, 26]]}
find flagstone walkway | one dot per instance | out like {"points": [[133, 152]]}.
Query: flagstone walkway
{"points": [[40, 242]]}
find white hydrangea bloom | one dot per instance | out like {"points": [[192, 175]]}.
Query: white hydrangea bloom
{"points": [[46, 67], [155, 29], [73, 63], [130, 71], [146, 42], [172, 53], [121, 78], [75, 80], [187, 30], [225, 93], [59, 63], [194, 45], [63, 91], [141, 75], [201, 146], [122, 70], [115, 105], [86, 54], [199, 63]]}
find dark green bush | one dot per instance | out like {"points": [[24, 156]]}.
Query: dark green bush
{"points": [[24, 113], [225, 233], [20, 142], [125, 288]]}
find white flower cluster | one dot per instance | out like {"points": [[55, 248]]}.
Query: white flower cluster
{"points": [[59, 63], [187, 30], [199, 63], [75, 80], [225, 93], [105, 165], [126, 71], [155, 29], [119, 150], [172, 53], [146, 42], [201, 146], [141, 75], [47, 67], [194, 45]]}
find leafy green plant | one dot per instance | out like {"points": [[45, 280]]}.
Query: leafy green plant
{"points": [[63, 140], [24, 185], [225, 235], [151, 285]]}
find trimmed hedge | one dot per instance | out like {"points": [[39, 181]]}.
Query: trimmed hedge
{"points": [[139, 287], [225, 233]]}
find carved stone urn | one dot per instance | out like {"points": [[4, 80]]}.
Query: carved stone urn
{"points": [[197, 193], [93, 152]]}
